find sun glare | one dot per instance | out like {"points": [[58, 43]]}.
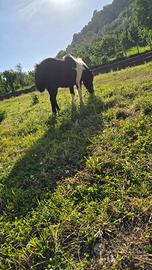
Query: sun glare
{"points": [[62, 1], [37, 7]]}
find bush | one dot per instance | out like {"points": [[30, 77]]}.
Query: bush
{"points": [[35, 99], [119, 55], [105, 59]]}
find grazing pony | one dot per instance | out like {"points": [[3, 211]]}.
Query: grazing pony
{"points": [[53, 73]]}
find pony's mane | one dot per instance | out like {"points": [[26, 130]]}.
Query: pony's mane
{"points": [[80, 61], [77, 60]]}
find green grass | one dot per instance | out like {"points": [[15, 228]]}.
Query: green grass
{"points": [[131, 52], [75, 191], [134, 50]]}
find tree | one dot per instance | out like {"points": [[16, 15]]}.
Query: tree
{"points": [[149, 38], [61, 54], [143, 9], [20, 75], [134, 34], [29, 78], [146, 34], [2, 85], [108, 45], [124, 41], [9, 80]]}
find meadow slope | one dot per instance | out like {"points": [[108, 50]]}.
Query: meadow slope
{"points": [[75, 191]]}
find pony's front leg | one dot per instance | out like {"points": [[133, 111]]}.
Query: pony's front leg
{"points": [[72, 96], [52, 100]]}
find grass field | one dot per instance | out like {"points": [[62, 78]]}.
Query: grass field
{"points": [[134, 50], [75, 191]]}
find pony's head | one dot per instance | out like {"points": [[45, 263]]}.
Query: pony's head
{"points": [[87, 79]]}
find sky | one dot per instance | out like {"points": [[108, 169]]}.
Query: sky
{"points": [[31, 30]]}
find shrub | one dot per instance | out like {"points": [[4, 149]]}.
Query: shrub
{"points": [[105, 59], [35, 99], [119, 55]]}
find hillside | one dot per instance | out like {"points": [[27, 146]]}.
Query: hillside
{"points": [[80, 182], [112, 19], [116, 32]]}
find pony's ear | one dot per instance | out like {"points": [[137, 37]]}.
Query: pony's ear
{"points": [[93, 73]]}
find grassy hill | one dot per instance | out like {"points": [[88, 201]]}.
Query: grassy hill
{"points": [[75, 191]]}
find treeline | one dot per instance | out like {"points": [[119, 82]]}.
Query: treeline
{"points": [[13, 80], [116, 42]]}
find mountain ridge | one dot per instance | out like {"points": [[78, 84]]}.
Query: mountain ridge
{"points": [[111, 18]]}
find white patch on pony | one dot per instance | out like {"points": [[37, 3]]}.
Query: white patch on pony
{"points": [[81, 62], [80, 66]]}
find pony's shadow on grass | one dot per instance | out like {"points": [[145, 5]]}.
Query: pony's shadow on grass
{"points": [[58, 154]]}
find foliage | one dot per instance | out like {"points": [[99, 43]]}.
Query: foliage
{"points": [[35, 99], [9, 79], [80, 182], [12, 80], [144, 13], [104, 59], [20, 75], [134, 34], [124, 40], [147, 35]]}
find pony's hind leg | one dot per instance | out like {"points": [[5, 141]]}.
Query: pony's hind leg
{"points": [[53, 94], [80, 93]]}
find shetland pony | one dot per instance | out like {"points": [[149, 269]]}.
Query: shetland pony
{"points": [[53, 73]]}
